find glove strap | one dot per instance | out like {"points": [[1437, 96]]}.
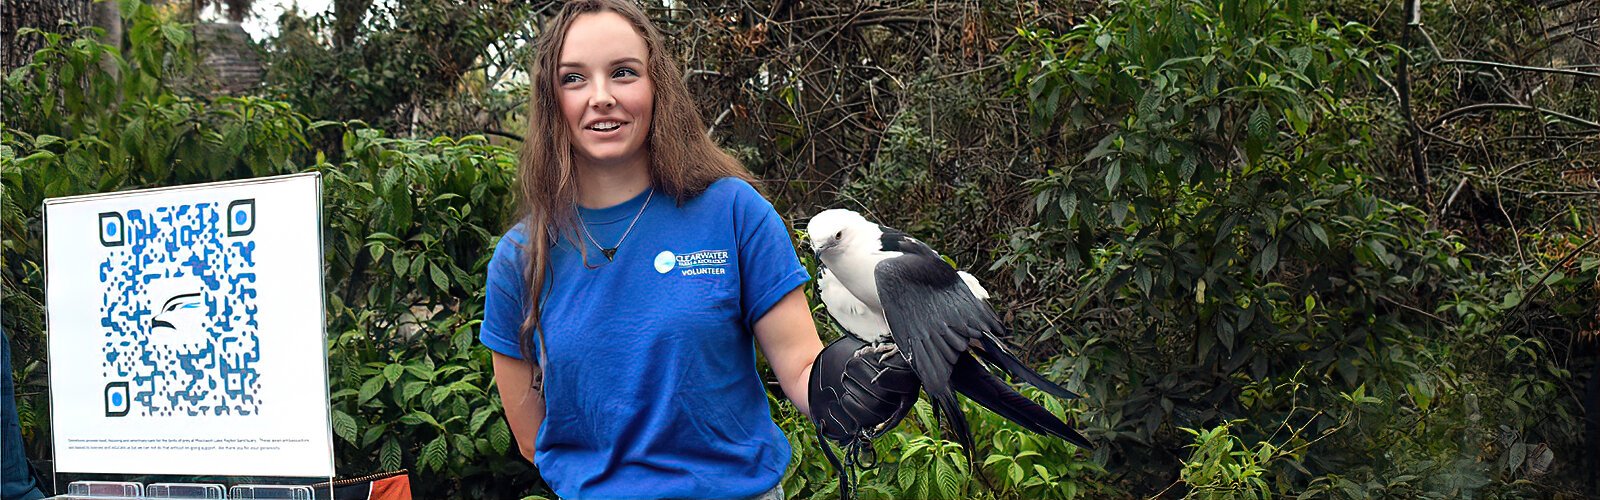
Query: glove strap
{"points": [[846, 475]]}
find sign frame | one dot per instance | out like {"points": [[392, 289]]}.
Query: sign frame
{"points": [[314, 178]]}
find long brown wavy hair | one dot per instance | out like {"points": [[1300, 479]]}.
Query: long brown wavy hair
{"points": [[683, 159]]}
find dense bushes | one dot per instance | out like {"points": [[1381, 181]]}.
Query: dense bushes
{"points": [[1200, 215], [409, 226], [1248, 269]]}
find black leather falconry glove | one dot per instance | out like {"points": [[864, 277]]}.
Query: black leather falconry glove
{"points": [[858, 392]]}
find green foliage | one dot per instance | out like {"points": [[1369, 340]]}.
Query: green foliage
{"points": [[1223, 466], [1227, 228], [1194, 202], [411, 225], [403, 65], [913, 461], [83, 117], [410, 228]]}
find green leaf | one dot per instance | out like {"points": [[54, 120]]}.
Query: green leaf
{"points": [[417, 418], [439, 278], [1268, 258], [369, 389], [174, 34], [344, 426], [1150, 103], [420, 371], [906, 475], [1113, 175], [1260, 123], [1300, 56], [1512, 299], [1068, 203], [1554, 278], [1320, 233], [1517, 454], [45, 140], [478, 419], [392, 372], [500, 436], [389, 456], [433, 454], [949, 482], [410, 390], [400, 202], [1103, 147], [416, 268], [390, 178], [1187, 166], [401, 262], [36, 157], [372, 434]]}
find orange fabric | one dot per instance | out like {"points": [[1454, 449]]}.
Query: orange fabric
{"points": [[392, 488]]}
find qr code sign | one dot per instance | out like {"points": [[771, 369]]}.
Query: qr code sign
{"points": [[179, 310]]}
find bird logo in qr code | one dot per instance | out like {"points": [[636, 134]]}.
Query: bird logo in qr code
{"points": [[179, 310]]}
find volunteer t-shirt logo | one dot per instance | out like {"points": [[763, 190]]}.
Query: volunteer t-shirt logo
{"points": [[703, 262], [694, 263]]}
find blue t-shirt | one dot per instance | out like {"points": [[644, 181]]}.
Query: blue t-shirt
{"points": [[651, 388]]}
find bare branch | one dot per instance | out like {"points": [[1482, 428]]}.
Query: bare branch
{"points": [[1512, 107], [1538, 69]]}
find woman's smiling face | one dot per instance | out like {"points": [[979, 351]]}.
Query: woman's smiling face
{"points": [[606, 94]]}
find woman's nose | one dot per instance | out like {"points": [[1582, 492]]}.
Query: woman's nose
{"points": [[602, 97]]}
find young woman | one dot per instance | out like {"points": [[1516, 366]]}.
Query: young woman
{"points": [[622, 310]]}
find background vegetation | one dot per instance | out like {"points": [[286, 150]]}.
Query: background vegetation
{"points": [[1319, 248]]}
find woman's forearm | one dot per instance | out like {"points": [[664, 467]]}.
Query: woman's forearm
{"points": [[521, 386], [788, 339]]}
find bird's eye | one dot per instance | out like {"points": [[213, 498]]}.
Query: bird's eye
{"points": [[839, 235]]}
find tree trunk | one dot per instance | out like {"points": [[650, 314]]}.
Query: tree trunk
{"points": [[46, 15], [347, 17]]}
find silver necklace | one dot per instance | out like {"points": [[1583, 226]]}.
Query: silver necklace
{"points": [[611, 253]]}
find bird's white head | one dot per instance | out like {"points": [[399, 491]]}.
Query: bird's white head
{"points": [[835, 229]]}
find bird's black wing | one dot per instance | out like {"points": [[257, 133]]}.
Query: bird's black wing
{"points": [[994, 351], [973, 381], [933, 314], [934, 318]]}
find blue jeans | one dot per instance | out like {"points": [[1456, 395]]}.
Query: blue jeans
{"points": [[16, 479], [775, 494]]}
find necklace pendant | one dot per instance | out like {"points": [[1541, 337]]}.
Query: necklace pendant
{"points": [[609, 253]]}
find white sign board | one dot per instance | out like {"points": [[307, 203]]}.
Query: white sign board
{"points": [[186, 330]]}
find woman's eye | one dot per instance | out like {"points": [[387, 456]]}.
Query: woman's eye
{"points": [[570, 77], [624, 72]]}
